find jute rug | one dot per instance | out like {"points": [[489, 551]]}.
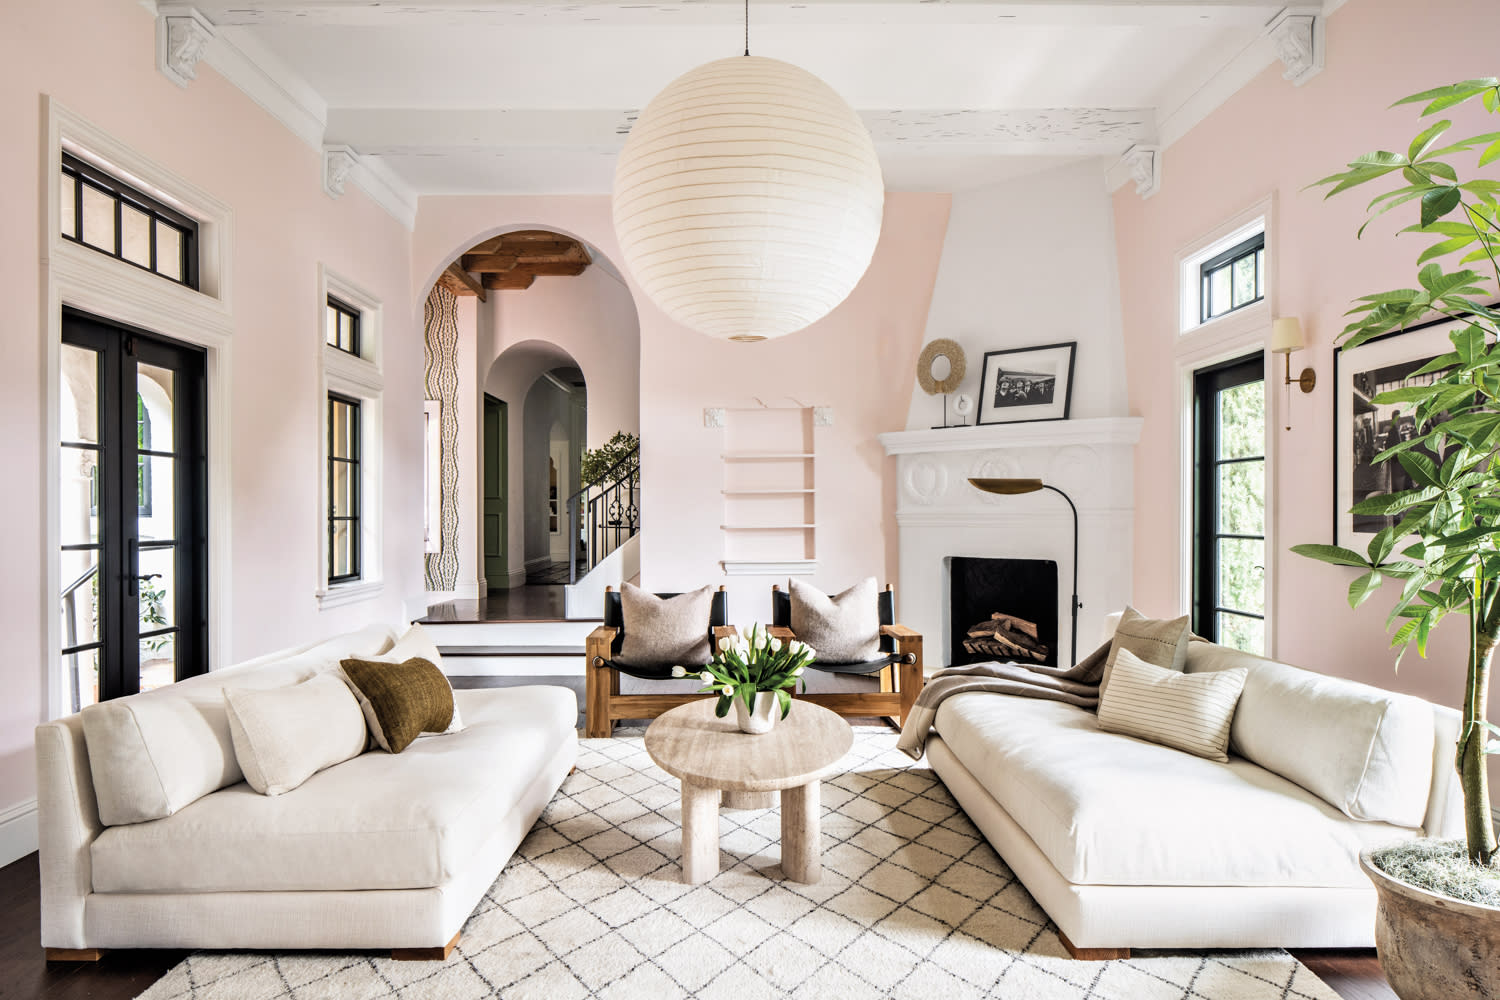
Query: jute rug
{"points": [[913, 903]]}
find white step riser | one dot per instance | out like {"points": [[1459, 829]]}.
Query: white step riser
{"points": [[513, 666], [459, 635]]}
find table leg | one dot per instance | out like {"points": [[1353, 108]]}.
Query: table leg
{"points": [[749, 800], [700, 833], [801, 832]]}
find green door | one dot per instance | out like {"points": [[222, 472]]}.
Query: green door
{"points": [[496, 570]]}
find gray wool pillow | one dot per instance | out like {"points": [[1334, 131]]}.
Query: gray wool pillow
{"points": [[670, 631], [842, 628], [1158, 642]]}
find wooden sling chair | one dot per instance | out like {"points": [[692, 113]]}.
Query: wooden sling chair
{"points": [[899, 665], [606, 705]]}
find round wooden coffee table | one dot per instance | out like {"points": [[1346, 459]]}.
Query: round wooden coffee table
{"points": [[710, 756]]}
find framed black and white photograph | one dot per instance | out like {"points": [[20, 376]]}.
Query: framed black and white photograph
{"points": [[1362, 429], [1027, 383]]}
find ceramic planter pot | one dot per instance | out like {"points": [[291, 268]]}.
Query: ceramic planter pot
{"points": [[1432, 947], [766, 712]]}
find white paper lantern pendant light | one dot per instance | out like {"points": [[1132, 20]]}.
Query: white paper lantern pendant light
{"points": [[748, 198]]}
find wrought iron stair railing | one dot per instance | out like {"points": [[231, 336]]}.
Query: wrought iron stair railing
{"points": [[604, 515]]}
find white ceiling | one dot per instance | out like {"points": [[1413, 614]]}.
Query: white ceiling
{"points": [[467, 96]]}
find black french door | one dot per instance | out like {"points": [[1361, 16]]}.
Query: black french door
{"points": [[133, 510]]}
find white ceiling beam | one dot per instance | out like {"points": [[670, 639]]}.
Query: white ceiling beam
{"points": [[1054, 131], [393, 13]]}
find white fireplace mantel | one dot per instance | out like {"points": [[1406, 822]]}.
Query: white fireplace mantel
{"points": [[940, 515]]}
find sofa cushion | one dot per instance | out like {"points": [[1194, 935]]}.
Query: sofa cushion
{"points": [[1109, 810], [151, 754], [1366, 751], [1186, 712], [285, 735], [379, 821]]}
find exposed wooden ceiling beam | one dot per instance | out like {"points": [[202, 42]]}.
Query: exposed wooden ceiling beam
{"points": [[564, 268], [460, 282], [507, 282], [488, 263]]}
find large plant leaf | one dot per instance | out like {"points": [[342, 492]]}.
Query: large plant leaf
{"points": [[1334, 554], [1439, 202], [1362, 587]]}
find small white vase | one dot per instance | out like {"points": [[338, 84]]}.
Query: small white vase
{"points": [[767, 711]]}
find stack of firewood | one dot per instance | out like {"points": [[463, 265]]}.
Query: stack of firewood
{"points": [[1006, 637]]}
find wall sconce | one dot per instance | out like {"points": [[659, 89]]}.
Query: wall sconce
{"points": [[1286, 337]]}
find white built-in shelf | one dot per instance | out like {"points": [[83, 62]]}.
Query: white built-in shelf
{"points": [[765, 493], [770, 567], [765, 456], [768, 527]]}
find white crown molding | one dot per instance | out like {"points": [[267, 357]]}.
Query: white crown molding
{"points": [[1035, 434], [386, 189], [183, 38], [1298, 35]]}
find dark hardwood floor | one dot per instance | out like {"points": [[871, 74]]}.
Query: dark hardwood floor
{"points": [[121, 975], [533, 602]]}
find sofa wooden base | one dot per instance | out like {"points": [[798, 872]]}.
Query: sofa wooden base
{"points": [[425, 954], [74, 954], [1092, 954]]}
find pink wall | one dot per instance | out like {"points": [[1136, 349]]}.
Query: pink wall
{"points": [[1273, 139], [858, 360], [96, 57]]}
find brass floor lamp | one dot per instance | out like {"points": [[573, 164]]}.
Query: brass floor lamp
{"points": [[1013, 487]]}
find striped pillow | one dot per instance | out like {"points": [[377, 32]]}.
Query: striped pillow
{"points": [[1188, 712]]}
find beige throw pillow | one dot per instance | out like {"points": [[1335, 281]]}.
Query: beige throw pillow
{"points": [[1153, 640], [671, 631], [842, 628], [1190, 712], [286, 735]]}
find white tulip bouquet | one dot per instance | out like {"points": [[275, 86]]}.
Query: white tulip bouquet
{"points": [[745, 665]]}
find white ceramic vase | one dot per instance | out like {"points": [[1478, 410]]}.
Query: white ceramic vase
{"points": [[767, 711]]}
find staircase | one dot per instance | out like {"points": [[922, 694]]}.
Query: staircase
{"points": [[536, 634]]}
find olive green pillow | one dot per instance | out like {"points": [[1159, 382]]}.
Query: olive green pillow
{"points": [[401, 701]]}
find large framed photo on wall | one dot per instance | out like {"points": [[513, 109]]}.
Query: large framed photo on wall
{"points": [[1027, 383], [1362, 429]]}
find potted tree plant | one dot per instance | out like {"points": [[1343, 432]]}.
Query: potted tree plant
{"points": [[1438, 928]]}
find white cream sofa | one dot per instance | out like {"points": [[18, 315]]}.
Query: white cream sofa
{"points": [[381, 851], [1127, 844]]}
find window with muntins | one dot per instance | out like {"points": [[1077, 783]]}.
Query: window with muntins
{"points": [[341, 327], [343, 489], [1233, 279], [106, 214], [1229, 554]]}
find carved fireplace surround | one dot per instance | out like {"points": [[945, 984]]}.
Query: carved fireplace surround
{"points": [[940, 515]]}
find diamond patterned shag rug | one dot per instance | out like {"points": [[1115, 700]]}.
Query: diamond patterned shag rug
{"points": [[913, 903]]}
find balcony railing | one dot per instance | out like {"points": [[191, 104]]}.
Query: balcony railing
{"points": [[604, 515]]}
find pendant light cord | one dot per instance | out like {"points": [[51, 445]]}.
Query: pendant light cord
{"points": [[747, 27]]}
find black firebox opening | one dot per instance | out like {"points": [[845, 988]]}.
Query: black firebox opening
{"points": [[1002, 609]]}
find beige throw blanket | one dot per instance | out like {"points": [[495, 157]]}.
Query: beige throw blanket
{"points": [[1075, 685]]}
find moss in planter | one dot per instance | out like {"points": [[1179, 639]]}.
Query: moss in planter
{"points": [[1443, 867]]}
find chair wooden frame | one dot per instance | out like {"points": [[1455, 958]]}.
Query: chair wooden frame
{"points": [[605, 705], [900, 682]]}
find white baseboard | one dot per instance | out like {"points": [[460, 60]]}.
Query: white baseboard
{"points": [[17, 831]]}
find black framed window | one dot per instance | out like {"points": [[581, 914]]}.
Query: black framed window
{"points": [[342, 326], [106, 214], [343, 488], [1233, 279], [1229, 503]]}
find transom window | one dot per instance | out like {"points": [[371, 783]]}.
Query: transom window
{"points": [[106, 214], [342, 326], [343, 489], [1233, 279]]}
